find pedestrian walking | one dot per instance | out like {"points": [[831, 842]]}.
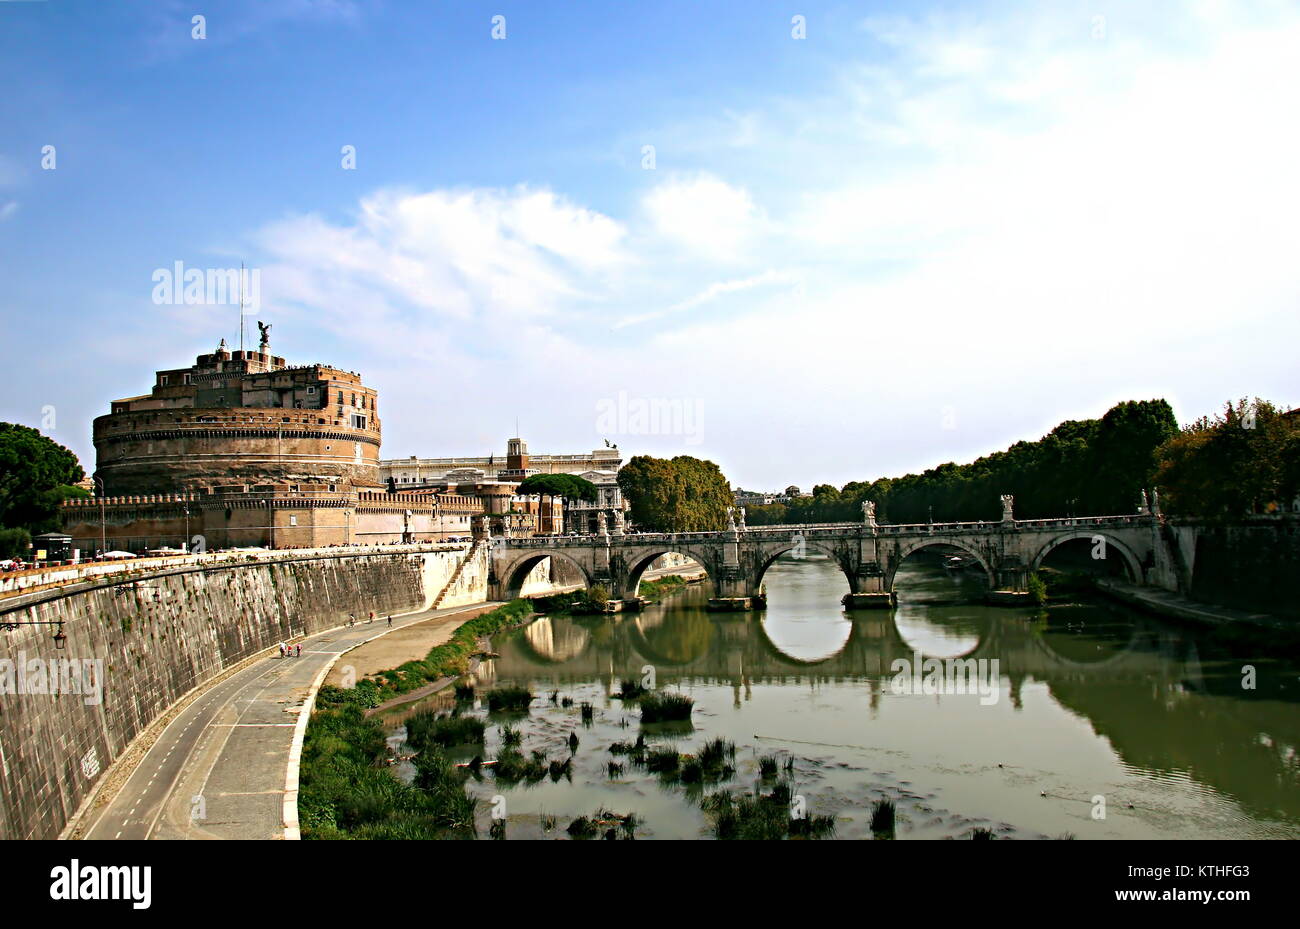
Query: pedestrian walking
{"points": [[390, 622], [372, 617], [297, 651], [281, 649], [352, 619]]}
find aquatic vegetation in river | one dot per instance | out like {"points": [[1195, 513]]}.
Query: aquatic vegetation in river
{"points": [[427, 728], [883, 818], [659, 707], [629, 688], [763, 817], [662, 760], [509, 698], [606, 824]]}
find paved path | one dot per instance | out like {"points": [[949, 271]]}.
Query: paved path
{"points": [[219, 769], [1175, 606]]}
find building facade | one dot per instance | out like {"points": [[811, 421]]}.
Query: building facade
{"points": [[475, 474], [243, 450], [240, 417]]}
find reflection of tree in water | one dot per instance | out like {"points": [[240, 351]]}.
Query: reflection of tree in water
{"points": [[676, 636], [1142, 684], [1088, 633], [1244, 748]]}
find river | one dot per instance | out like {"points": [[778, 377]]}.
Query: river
{"points": [[1087, 721]]}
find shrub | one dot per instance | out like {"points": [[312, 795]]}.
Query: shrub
{"points": [[665, 707], [1037, 588], [511, 698], [14, 543], [882, 817], [427, 728]]}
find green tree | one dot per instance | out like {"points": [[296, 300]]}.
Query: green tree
{"points": [[1083, 467], [681, 494], [36, 475], [1244, 460], [565, 486], [14, 543]]}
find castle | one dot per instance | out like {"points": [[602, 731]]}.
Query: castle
{"points": [[242, 450]]}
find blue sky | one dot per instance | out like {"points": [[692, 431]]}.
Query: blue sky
{"points": [[916, 235]]}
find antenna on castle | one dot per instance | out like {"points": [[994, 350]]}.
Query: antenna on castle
{"points": [[241, 306]]}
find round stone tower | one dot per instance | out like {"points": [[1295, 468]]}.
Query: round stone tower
{"points": [[241, 417]]}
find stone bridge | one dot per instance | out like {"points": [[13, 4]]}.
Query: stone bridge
{"points": [[869, 554]]}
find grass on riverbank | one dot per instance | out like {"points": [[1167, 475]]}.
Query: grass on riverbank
{"points": [[656, 590], [450, 658], [347, 792], [346, 788]]}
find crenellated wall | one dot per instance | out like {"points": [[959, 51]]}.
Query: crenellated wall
{"points": [[150, 644]]}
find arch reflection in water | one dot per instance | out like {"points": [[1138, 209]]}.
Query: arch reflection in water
{"points": [[1096, 698]]}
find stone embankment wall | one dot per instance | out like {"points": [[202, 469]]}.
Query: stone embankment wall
{"points": [[1251, 565], [136, 651]]}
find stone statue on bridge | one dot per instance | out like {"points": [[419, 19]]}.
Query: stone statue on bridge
{"points": [[1008, 502], [602, 527], [1155, 502], [619, 527], [869, 512], [740, 524], [731, 519], [1143, 506]]}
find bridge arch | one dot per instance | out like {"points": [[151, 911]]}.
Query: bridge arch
{"points": [[638, 562], [1130, 558], [511, 576], [770, 555], [928, 542]]}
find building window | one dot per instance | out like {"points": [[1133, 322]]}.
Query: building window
{"points": [[293, 520], [162, 380], [358, 421]]}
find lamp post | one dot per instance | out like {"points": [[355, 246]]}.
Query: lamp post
{"points": [[60, 640], [103, 531]]}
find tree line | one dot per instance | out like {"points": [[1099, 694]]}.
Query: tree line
{"points": [[1082, 467], [1245, 460]]}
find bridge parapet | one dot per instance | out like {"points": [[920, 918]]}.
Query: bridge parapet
{"points": [[869, 554]]}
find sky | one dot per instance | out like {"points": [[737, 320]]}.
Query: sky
{"points": [[812, 242]]}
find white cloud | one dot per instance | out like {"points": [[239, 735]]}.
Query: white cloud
{"points": [[705, 217], [713, 292], [1006, 216]]}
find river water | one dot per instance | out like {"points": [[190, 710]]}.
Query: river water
{"points": [[1095, 721]]}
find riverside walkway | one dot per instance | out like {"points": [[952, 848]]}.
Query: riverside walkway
{"points": [[226, 765]]}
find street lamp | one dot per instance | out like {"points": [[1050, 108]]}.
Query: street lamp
{"points": [[60, 640], [103, 531]]}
